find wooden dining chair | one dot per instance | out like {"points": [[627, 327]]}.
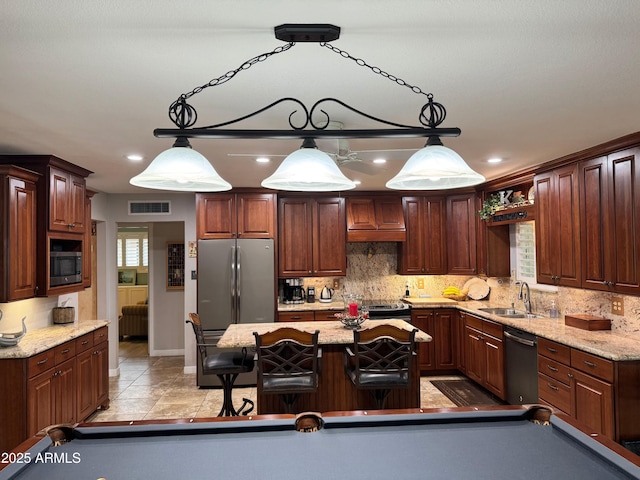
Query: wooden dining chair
{"points": [[380, 360]]}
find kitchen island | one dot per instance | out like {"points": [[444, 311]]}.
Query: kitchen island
{"points": [[335, 390]]}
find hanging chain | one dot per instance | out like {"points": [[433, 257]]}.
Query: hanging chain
{"points": [[184, 115], [377, 70], [232, 73]]}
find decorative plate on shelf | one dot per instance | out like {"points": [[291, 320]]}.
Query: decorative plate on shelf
{"points": [[531, 195], [478, 288]]}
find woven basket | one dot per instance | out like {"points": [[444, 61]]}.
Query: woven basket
{"points": [[458, 298]]}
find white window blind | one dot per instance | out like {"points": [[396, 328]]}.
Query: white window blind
{"points": [[526, 252], [133, 250]]}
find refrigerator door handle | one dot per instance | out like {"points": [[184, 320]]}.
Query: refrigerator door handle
{"points": [[238, 282], [233, 292]]}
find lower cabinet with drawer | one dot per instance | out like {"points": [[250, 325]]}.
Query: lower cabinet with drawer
{"points": [[601, 394], [484, 353], [44, 389], [308, 316]]}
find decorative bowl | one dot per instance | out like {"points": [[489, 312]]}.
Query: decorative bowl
{"points": [[354, 312], [350, 322], [12, 339]]}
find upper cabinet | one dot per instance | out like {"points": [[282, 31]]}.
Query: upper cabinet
{"points": [[610, 222], [425, 250], [18, 233], [375, 219], [235, 215], [461, 234], [61, 214], [558, 227], [66, 201], [312, 237]]}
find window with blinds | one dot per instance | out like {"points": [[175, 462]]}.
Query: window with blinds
{"points": [[526, 252], [133, 250]]}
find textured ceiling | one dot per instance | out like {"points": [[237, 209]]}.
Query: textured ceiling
{"points": [[527, 81]]}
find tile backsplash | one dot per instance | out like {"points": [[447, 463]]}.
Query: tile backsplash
{"points": [[372, 267]]}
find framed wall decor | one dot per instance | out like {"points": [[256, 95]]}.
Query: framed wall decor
{"points": [[175, 265], [127, 276]]}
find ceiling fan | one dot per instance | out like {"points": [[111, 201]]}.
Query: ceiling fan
{"points": [[341, 153]]}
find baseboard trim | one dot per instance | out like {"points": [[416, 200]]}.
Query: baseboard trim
{"points": [[166, 353], [190, 370]]}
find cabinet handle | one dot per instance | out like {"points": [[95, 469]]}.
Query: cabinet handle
{"points": [[71, 225], [553, 369], [297, 317], [552, 387], [589, 364], [42, 362], [65, 351], [570, 375], [552, 350], [85, 342]]}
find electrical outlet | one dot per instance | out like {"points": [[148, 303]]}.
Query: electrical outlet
{"points": [[336, 283], [421, 283], [617, 305]]}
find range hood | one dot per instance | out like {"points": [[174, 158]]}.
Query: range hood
{"points": [[375, 219]]}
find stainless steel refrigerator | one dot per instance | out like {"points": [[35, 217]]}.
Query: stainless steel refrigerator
{"points": [[236, 284]]}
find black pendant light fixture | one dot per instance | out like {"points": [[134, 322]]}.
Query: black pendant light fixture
{"points": [[308, 169]]}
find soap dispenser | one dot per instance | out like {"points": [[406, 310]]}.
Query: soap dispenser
{"points": [[553, 311]]}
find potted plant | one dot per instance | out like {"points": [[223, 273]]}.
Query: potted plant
{"points": [[489, 207]]}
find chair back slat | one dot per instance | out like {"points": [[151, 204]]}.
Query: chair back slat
{"points": [[284, 354], [383, 351], [194, 320]]}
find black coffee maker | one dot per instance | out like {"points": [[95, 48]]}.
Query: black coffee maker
{"points": [[293, 291]]}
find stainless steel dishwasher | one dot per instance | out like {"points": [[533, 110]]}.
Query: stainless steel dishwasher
{"points": [[522, 366]]}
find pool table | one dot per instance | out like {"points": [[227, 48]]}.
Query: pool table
{"points": [[496, 443]]}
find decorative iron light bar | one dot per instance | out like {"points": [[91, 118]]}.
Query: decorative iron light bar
{"points": [[184, 115]]}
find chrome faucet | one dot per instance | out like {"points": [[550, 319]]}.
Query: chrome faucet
{"points": [[525, 296]]}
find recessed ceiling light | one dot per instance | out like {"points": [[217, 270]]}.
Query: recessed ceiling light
{"points": [[379, 160], [263, 160], [134, 157], [494, 160]]}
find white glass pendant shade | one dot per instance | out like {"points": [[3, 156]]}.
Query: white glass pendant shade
{"points": [[308, 170], [434, 167], [181, 169]]}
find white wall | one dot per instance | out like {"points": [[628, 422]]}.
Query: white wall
{"points": [[111, 209]]}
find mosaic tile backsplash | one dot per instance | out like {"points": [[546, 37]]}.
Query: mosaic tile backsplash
{"points": [[371, 271]]}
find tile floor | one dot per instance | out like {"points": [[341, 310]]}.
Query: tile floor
{"points": [[157, 388]]}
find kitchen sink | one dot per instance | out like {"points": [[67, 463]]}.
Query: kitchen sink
{"points": [[499, 311], [508, 313], [518, 315]]}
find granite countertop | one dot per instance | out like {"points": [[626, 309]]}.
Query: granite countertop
{"points": [[603, 343], [331, 332], [41, 339]]}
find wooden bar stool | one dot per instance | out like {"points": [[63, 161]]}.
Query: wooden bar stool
{"points": [[380, 360], [288, 363]]}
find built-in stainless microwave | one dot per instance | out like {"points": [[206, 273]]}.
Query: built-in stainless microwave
{"points": [[65, 268]]}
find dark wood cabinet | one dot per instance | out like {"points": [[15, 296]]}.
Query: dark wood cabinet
{"points": [[610, 222], [425, 250], [66, 201], [93, 376], [88, 244], [235, 215], [45, 389], [580, 385], [306, 316], [558, 248], [461, 234], [312, 237], [378, 218], [484, 354], [439, 354], [18, 233], [51, 393]]}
